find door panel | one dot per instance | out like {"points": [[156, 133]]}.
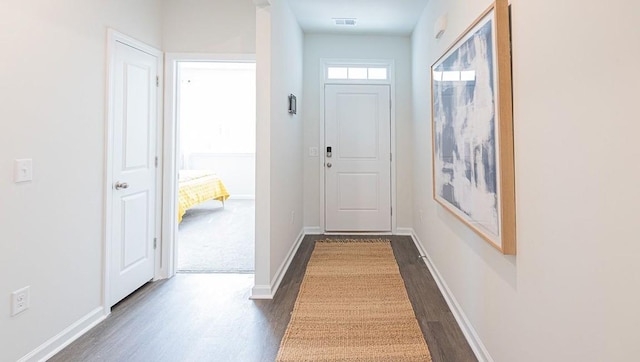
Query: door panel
{"points": [[134, 172], [136, 118], [358, 172], [357, 121], [133, 208], [358, 191]]}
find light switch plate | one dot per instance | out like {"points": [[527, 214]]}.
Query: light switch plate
{"points": [[313, 151], [23, 171]]}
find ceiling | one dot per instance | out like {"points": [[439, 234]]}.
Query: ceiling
{"points": [[392, 17]]}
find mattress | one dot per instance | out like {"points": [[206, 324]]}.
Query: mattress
{"points": [[198, 186]]}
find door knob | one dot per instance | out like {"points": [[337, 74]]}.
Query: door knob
{"points": [[329, 164], [120, 185]]}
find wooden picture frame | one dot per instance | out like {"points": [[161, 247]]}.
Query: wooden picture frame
{"points": [[472, 129]]}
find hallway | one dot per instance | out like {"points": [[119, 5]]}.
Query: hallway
{"points": [[199, 317]]}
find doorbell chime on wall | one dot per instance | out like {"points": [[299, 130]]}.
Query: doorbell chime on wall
{"points": [[292, 104]]}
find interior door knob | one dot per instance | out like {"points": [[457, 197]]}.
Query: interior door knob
{"points": [[120, 185], [329, 164]]}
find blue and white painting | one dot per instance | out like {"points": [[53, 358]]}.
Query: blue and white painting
{"points": [[464, 126]]}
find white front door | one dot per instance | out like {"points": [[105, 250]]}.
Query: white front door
{"points": [[358, 166], [133, 169]]}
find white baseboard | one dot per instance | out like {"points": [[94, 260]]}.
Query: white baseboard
{"points": [[317, 230], [242, 197], [313, 230], [268, 291], [479, 349], [55, 344], [404, 231], [361, 233], [261, 292]]}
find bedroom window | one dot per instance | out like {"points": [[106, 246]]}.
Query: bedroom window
{"points": [[217, 107]]}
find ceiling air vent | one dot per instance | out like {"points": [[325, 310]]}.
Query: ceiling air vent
{"points": [[345, 21]]}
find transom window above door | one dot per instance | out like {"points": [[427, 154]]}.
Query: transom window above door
{"points": [[357, 71]]}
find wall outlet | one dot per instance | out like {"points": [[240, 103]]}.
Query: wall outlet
{"points": [[19, 301], [293, 217], [421, 213]]}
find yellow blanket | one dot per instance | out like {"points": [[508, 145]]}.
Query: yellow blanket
{"points": [[196, 186]]}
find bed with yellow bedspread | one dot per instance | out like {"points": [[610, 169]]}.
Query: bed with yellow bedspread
{"points": [[197, 186]]}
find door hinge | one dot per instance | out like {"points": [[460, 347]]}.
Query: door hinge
{"points": [[157, 81], [155, 243], [156, 161], [391, 157], [390, 107], [392, 211]]}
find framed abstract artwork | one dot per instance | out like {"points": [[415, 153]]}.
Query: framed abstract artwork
{"points": [[472, 120]]}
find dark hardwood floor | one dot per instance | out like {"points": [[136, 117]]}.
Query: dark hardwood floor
{"points": [[209, 317]]}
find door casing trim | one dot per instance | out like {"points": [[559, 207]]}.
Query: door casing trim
{"points": [[390, 64], [170, 146], [114, 37]]}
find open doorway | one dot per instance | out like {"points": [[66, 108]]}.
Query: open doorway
{"points": [[216, 117]]}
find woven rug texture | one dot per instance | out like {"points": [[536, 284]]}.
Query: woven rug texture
{"points": [[353, 306]]}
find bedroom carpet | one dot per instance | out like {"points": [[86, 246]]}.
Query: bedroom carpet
{"points": [[353, 306], [216, 239]]}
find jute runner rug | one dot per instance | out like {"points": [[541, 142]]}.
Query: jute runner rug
{"points": [[353, 306]]}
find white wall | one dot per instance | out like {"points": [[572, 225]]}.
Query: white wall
{"points": [[236, 170], [573, 290], [319, 46], [263, 150], [52, 109], [286, 132], [205, 26], [279, 177]]}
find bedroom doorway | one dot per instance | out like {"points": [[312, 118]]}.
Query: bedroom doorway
{"points": [[215, 110]]}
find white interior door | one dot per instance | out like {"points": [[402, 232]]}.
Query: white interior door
{"points": [[358, 169], [133, 170]]}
